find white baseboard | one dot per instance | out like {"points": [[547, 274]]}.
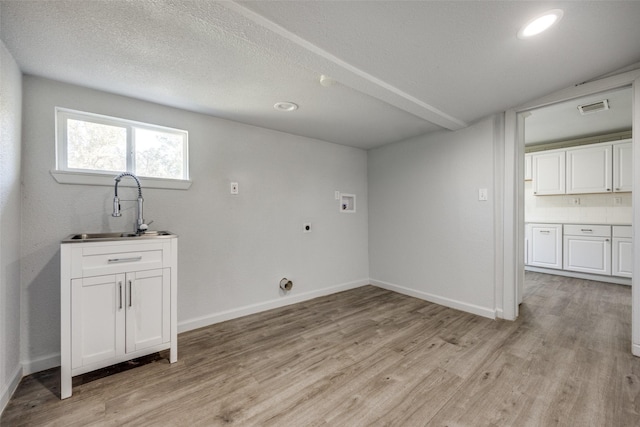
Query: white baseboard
{"points": [[447, 302], [200, 322], [40, 364], [10, 388], [597, 277], [635, 349]]}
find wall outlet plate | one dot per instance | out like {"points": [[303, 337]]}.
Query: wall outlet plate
{"points": [[235, 189]]}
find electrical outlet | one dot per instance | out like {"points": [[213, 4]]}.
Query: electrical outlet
{"points": [[234, 188], [483, 194], [617, 200], [337, 195], [306, 227], [575, 201]]}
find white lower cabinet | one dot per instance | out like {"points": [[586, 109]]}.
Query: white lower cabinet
{"points": [[622, 256], [587, 248], [594, 249], [545, 245], [118, 303], [118, 314]]}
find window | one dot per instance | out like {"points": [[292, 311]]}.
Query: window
{"points": [[91, 144]]}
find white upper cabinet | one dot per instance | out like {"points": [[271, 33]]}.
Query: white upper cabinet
{"points": [[528, 167], [549, 172], [622, 166], [589, 169]]}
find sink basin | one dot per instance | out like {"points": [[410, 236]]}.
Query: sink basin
{"points": [[88, 237]]}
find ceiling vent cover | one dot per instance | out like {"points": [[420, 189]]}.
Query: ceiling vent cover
{"points": [[594, 107]]}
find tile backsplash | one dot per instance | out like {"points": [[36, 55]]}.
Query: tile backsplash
{"points": [[614, 208]]}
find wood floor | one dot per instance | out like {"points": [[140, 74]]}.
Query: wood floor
{"points": [[373, 357]]}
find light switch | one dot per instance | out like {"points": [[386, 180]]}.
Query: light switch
{"points": [[234, 188], [483, 194]]}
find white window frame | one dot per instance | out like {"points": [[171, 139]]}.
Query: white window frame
{"points": [[65, 175]]}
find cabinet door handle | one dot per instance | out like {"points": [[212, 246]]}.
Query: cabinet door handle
{"points": [[586, 230], [544, 231], [130, 294], [608, 189], [117, 260], [120, 290]]}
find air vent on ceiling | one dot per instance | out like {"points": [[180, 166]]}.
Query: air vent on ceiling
{"points": [[594, 107]]}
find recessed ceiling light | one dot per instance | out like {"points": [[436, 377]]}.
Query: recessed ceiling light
{"points": [[285, 106], [540, 23]]}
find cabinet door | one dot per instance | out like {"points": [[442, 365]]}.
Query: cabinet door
{"points": [[622, 258], [528, 167], [587, 254], [549, 173], [546, 246], [148, 295], [589, 169], [97, 319], [622, 167]]}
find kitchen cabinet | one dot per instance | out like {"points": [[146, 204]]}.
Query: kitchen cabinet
{"points": [[588, 169], [587, 248], [527, 243], [528, 167], [545, 245], [549, 172], [622, 256], [118, 302], [622, 166]]}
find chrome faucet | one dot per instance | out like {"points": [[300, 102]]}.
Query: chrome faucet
{"points": [[140, 226]]}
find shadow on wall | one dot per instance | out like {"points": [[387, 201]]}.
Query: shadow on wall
{"points": [[41, 327]]}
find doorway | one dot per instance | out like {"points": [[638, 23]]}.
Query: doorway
{"points": [[578, 207], [511, 267]]}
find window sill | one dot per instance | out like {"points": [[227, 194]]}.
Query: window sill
{"points": [[80, 178]]}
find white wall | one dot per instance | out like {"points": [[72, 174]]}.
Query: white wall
{"points": [[593, 208], [10, 144], [233, 250], [429, 234]]}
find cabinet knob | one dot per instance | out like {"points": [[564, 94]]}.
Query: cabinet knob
{"points": [[608, 189]]}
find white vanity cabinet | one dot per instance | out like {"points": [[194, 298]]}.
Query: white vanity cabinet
{"points": [[587, 248], [589, 169], [545, 245], [118, 302], [622, 257]]}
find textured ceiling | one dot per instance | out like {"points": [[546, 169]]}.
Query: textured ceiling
{"points": [[403, 68], [563, 121]]}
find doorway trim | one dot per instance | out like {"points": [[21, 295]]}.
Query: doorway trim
{"points": [[513, 187]]}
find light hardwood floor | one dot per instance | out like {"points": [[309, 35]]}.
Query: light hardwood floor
{"points": [[373, 357]]}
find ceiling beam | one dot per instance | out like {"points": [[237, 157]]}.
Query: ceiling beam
{"points": [[267, 34]]}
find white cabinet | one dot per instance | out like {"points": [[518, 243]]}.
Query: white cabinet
{"points": [[622, 166], [527, 243], [118, 302], [589, 169], [622, 257], [549, 172], [545, 245], [587, 248], [528, 167]]}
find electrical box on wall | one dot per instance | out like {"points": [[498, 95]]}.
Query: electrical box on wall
{"points": [[347, 203]]}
